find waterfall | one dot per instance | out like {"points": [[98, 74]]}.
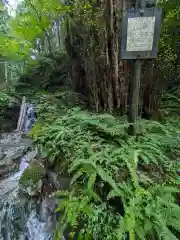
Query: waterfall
{"points": [[19, 219], [30, 118]]}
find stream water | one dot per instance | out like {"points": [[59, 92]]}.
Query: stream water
{"points": [[21, 217]]}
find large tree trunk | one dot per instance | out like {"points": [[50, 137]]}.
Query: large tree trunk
{"points": [[97, 49], [118, 72]]}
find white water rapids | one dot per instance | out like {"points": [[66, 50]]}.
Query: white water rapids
{"points": [[35, 229], [14, 207]]}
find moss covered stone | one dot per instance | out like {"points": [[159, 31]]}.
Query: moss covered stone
{"points": [[31, 179]]}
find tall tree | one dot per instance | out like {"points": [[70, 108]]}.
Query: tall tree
{"points": [[3, 31], [93, 47]]}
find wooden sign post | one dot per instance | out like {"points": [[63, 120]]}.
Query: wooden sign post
{"points": [[140, 34]]}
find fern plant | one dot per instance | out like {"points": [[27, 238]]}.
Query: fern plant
{"points": [[150, 211], [106, 164], [6, 99]]}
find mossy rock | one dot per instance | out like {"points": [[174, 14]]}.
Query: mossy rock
{"points": [[36, 129], [32, 174]]}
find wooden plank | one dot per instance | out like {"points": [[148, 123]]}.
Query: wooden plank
{"points": [[22, 114]]}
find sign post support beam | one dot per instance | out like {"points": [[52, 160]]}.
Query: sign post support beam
{"points": [[135, 91], [140, 35], [134, 96]]}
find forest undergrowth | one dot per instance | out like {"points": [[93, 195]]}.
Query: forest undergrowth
{"points": [[122, 187]]}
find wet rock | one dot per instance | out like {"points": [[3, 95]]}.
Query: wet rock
{"points": [[6, 162], [59, 182], [53, 178], [31, 181], [7, 185], [8, 138], [31, 155], [6, 165], [13, 140], [33, 189], [14, 212], [2, 155], [12, 151], [10, 159], [18, 219], [17, 155], [47, 209], [4, 171]]}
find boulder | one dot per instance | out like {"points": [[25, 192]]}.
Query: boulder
{"points": [[19, 152], [47, 209], [8, 184], [5, 162], [59, 181], [31, 181], [13, 216], [10, 154], [2, 155], [4, 171], [9, 159]]}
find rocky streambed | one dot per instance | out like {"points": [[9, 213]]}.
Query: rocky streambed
{"points": [[27, 208]]}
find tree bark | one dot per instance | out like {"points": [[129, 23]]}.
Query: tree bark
{"points": [[97, 50]]}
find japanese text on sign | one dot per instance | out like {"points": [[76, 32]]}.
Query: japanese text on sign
{"points": [[140, 34]]}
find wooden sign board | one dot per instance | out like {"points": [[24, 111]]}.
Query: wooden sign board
{"points": [[140, 33]]}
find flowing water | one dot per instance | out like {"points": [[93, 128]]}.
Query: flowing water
{"points": [[19, 217]]}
